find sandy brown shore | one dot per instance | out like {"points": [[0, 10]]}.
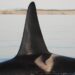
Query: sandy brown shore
{"points": [[39, 11]]}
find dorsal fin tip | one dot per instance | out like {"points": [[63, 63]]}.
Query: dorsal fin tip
{"points": [[32, 3]]}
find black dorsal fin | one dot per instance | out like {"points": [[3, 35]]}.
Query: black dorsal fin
{"points": [[32, 41]]}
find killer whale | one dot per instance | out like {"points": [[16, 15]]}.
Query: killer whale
{"points": [[31, 47]]}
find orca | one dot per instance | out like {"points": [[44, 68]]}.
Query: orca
{"points": [[32, 46]]}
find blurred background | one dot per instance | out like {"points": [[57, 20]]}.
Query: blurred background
{"points": [[11, 26], [41, 4]]}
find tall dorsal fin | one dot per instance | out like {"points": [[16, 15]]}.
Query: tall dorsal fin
{"points": [[32, 41]]}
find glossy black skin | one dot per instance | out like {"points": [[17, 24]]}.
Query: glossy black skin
{"points": [[31, 47]]}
